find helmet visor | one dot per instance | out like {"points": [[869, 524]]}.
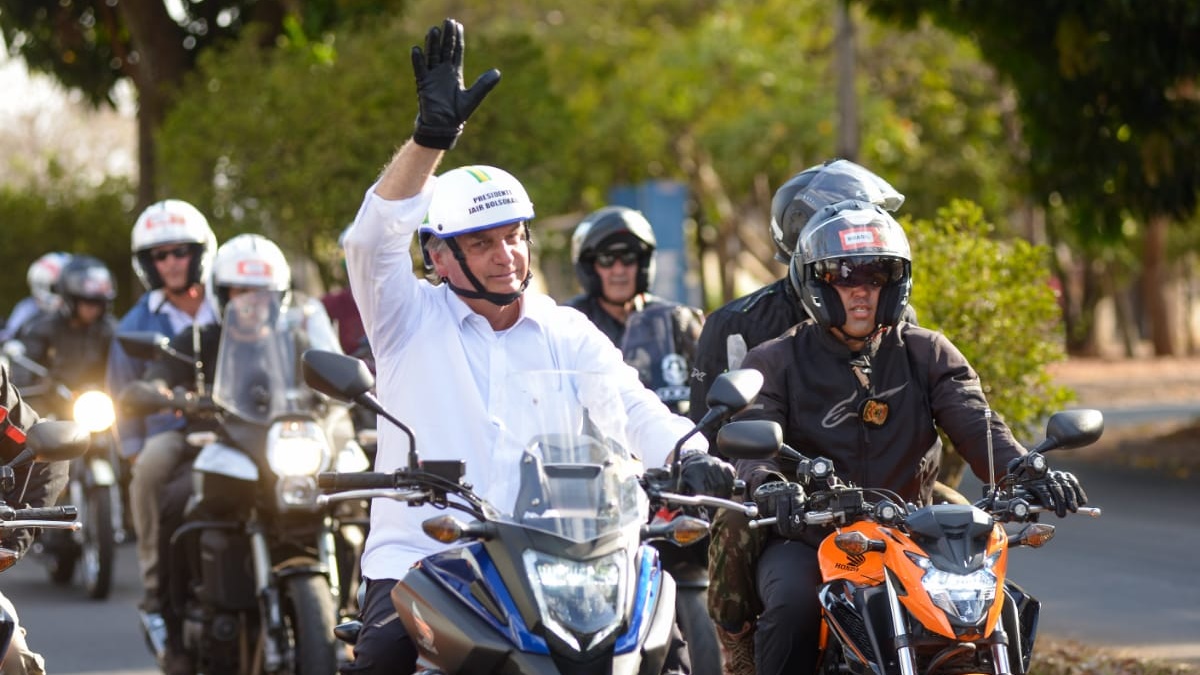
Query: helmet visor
{"points": [[873, 271]]}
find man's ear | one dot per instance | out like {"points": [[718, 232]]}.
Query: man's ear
{"points": [[440, 257]]}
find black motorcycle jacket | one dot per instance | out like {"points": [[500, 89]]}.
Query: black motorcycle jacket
{"points": [[875, 413], [659, 340], [754, 318], [37, 484], [75, 356]]}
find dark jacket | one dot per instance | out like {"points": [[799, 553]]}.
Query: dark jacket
{"points": [[76, 357], [43, 482], [880, 424], [757, 317], [658, 340]]}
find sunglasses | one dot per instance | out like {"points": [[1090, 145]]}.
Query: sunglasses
{"points": [[182, 251], [849, 274], [606, 260]]}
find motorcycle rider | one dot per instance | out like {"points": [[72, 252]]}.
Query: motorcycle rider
{"points": [[172, 247], [73, 342], [41, 277], [43, 482], [613, 252], [245, 263], [462, 337], [742, 324], [869, 390]]}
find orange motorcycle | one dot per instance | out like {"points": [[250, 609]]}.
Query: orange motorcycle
{"points": [[913, 590]]}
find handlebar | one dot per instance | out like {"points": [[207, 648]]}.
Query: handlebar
{"points": [[395, 494], [355, 481], [8, 513], [49, 518]]}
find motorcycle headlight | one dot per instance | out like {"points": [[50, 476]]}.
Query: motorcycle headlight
{"points": [[297, 448], [94, 411], [578, 598], [965, 596]]}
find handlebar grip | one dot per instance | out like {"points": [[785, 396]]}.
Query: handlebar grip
{"points": [[47, 513], [365, 480]]}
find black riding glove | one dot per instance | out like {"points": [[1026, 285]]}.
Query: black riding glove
{"points": [[443, 104], [704, 474], [785, 502], [1058, 490]]}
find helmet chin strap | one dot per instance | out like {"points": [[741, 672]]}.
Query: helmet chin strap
{"points": [[480, 293]]}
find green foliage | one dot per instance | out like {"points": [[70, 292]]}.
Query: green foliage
{"points": [[994, 300], [1106, 96], [287, 142], [61, 216]]}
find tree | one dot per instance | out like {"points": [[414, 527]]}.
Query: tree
{"points": [[994, 300], [91, 45], [60, 212], [1108, 101]]}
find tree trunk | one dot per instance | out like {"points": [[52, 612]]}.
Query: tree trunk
{"points": [[160, 65], [1155, 287], [847, 94]]}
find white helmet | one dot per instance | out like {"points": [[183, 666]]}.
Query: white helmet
{"points": [[43, 275], [172, 221], [473, 198], [248, 261]]}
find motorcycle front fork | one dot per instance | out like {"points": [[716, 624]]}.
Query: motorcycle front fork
{"points": [[268, 593], [903, 639]]}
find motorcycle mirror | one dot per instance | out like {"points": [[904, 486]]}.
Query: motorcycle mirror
{"points": [[54, 441], [143, 344], [734, 390], [338, 376], [750, 439], [1072, 429], [347, 378]]}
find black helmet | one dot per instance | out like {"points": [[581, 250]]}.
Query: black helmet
{"points": [[612, 226], [840, 239], [85, 278], [818, 186]]}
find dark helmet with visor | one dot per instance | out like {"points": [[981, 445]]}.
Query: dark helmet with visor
{"points": [[610, 230], [851, 243], [85, 279], [797, 200]]}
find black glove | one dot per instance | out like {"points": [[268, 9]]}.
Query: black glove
{"points": [[704, 474], [443, 104], [1058, 490], [785, 502]]}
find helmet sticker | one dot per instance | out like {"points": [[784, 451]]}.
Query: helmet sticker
{"points": [[254, 268], [860, 237], [491, 200]]}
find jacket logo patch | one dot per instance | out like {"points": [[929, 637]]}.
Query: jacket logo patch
{"points": [[874, 412]]}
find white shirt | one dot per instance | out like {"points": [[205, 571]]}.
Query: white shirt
{"points": [[158, 304], [440, 368]]}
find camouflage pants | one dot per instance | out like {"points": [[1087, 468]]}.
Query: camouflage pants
{"points": [[733, 553]]}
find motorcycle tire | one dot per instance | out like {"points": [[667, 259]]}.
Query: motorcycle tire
{"points": [[99, 541], [691, 612], [310, 612]]}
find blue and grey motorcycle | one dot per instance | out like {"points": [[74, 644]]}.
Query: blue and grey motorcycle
{"points": [[554, 575]]}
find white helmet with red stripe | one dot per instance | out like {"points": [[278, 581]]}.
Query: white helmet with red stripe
{"points": [[248, 261], [172, 221]]}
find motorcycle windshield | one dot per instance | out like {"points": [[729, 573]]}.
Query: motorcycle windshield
{"points": [[258, 376], [578, 479]]}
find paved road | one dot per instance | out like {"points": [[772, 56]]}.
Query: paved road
{"points": [[77, 635], [1127, 579]]}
